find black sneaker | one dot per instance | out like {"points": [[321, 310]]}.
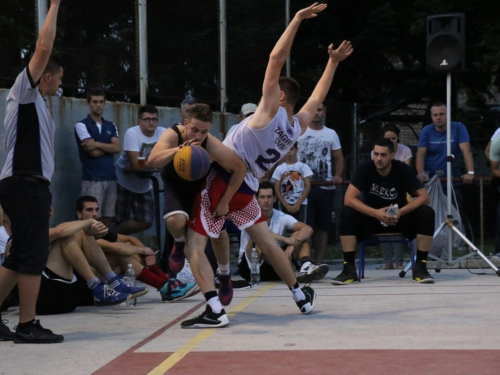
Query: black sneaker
{"points": [[34, 333], [420, 273], [347, 276], [307, 305], [5, 333], [207, 319]]}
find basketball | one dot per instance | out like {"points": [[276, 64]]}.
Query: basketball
{"points": [[191, 162]]}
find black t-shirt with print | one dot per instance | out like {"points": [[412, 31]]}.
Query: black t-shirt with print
{"points": [[381, 191]]}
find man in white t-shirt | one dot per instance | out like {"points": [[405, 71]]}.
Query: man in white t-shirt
{"points": [[134, 193], [319, 147], [292, 236]]}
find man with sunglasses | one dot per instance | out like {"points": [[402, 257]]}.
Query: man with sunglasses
{"points": [[135, 194]]}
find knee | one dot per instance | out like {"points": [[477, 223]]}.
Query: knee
{"points": [[176, 222], [425, 213], [348, 214]]}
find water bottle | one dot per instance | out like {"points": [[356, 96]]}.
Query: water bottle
{"points": [[129, 279], [391, 211], [255, 270]]}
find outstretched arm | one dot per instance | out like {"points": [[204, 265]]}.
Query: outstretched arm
{"points": [[44, 43], [268, 106], [317, 97]]}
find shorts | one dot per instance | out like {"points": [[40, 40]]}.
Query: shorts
{"points": [[244, 211], [179, 199], [60, 296], [27, 200], [141, 205], [320, 208], [104, 192]]}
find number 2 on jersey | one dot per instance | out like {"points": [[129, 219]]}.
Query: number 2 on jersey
{"points": [[274, 157]]}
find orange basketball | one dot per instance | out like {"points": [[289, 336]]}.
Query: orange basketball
{"points": [[191, 162]]}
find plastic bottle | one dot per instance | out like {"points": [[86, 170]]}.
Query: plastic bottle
{"points": [[393, 210], [255, 269], [129, 279]]}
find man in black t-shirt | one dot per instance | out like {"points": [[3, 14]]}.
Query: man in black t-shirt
{"points": [[383, 182]]}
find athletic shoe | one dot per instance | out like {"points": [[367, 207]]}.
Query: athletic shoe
{"points": [[225, 289], [347, 276], [174, 290], [309, 272], [177, 257], [104, 295], [34, 333], [307, 305], [5, 333], [420, 273], [186, 275], [117, 284], [207, 319]]}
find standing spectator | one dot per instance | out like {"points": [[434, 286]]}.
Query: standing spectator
{"points": [[186, 105], [431, 151], [25, 179], [293, 184], [134, 193], [247, 110], [393, 252], [97, 141], [318, 147]]}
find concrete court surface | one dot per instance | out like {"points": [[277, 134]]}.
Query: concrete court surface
{"points": [[383, 325]]}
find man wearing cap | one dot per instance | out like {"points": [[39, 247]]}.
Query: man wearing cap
{"points": [[247, 109]]}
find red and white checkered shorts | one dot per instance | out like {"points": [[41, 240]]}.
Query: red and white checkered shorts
{"points": [[244, 211]]}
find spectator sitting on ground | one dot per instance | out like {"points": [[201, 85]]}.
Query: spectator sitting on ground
{"points": [[135, 194], [383, 182], [293, 184], [122, 250], [295, 245], [393, 252]]}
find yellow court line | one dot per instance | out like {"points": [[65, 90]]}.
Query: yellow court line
{"points": [[205, 334]]}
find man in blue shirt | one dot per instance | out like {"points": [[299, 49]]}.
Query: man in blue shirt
{"points": [[431, 152]]}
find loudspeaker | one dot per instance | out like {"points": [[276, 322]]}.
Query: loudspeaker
{"points": [[446, 42]]}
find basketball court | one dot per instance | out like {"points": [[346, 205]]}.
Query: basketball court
{"points": [[383, 325]]}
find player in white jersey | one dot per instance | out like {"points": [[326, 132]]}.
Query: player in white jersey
{"points": [[260, 141]]}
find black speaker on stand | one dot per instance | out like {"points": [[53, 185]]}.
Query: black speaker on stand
{"points": [[446, 42]]}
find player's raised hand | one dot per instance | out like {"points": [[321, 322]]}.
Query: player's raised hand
{"points": [[342, 52], [311, 11]]}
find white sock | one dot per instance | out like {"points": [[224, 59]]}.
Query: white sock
{"points": [[224, 269], [181, 239], [215, 304], [298, 294]]}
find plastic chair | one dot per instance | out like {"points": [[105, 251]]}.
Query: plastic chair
{"points": [[379, 238]]}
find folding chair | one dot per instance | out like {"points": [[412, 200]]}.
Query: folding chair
{"points": [[379, 238]]}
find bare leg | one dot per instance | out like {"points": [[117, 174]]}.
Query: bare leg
{"points": [[93, 254], [131, 226], [348, 243], [200, 266], [63, 254], [221, 248], [176, 225], [263, 238], [8, 279], [320, 241], [29, 286]]}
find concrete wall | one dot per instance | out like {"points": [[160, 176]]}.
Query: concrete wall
{"points": [[66, 181]]}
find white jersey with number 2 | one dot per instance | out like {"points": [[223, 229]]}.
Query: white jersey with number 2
{"points": [[260, 149]]}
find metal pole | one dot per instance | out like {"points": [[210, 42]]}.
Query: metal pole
{"points": [[142, 6], [223, 40], [41, 12], [449, 159], [287, 21]]}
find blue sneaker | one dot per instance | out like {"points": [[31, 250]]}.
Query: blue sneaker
{"points": [[174, 290], [104, 295], [117, 284]]}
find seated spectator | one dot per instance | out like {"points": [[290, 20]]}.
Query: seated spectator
{"points": [[295, 245], [393, 252], [122, 250], [292, 184], [383, 182]]}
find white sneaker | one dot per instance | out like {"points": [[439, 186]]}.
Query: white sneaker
{"points": [[309, 272], [186, 275]]}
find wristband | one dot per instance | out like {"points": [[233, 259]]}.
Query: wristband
{"points": [[470, 172]]}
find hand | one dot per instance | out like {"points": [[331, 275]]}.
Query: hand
{"points": [[221, 210], [311, 11], [423, 177], [190, 142], [290, 208], [468, 178], [296, 207], [342, 52], [337, 180], [89, 144], [96, 229]]}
